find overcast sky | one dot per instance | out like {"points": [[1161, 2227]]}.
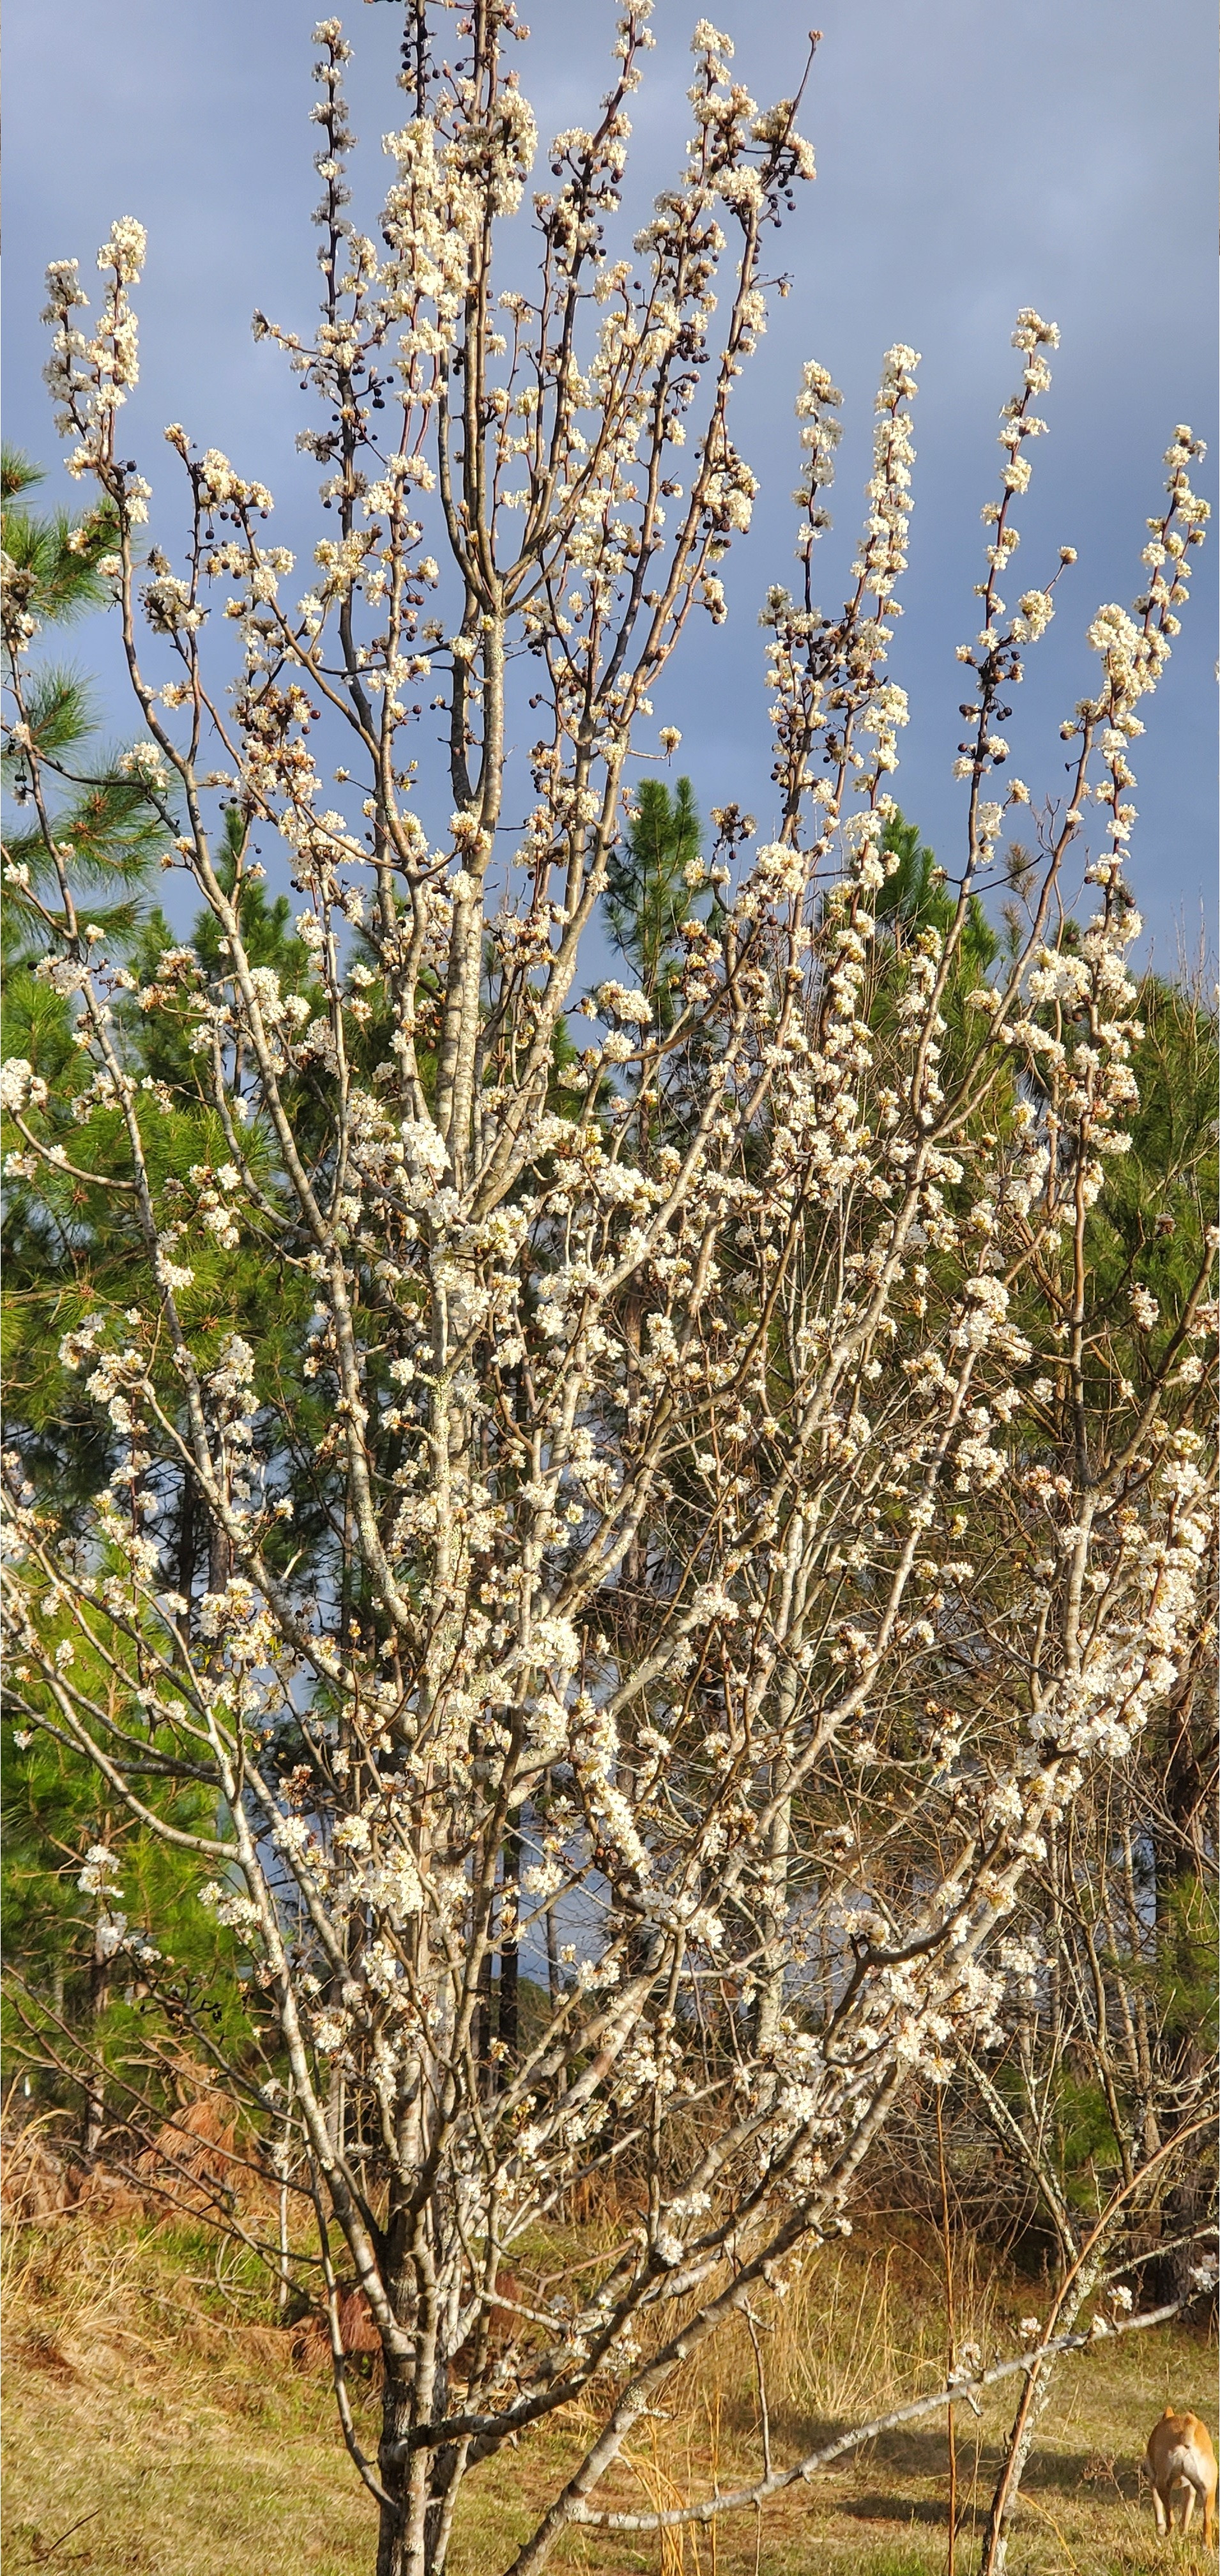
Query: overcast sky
{"points": [[971, 158]]}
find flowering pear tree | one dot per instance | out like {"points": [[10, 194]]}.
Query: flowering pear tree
{"points": [[737, 1534]]}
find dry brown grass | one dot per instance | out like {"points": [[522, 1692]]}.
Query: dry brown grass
{"points": [[151, 2407]]}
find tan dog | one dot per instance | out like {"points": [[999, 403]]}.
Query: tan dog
{"points": [[1180, 2457]]}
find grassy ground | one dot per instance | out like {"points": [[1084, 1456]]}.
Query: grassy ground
{"points": [[148, 2428]]}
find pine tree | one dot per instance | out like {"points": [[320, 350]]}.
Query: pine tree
{"points": [[69, 1240], [109, 819], [650, 880]]}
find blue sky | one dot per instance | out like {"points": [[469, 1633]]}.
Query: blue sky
{"points": [[971, 159]]}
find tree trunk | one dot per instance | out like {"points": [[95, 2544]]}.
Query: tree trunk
{"points": [[508, 2022], [95, 2082], [396, 2413], [482, 2023], [187, 1538], [408, 2544], [220, 1558], [95, 2113], [552, 1959]]}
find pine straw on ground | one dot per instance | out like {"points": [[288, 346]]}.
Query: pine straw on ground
{"points": [[157, 2423]]}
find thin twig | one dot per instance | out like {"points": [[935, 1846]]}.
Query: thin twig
{"points": [[762, 2392]]}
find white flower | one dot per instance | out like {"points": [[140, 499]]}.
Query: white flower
{"points": [[1037, 610], [100, 1872], [626, 1003], [125, 250], [231, 1908], [20, 1086]]}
